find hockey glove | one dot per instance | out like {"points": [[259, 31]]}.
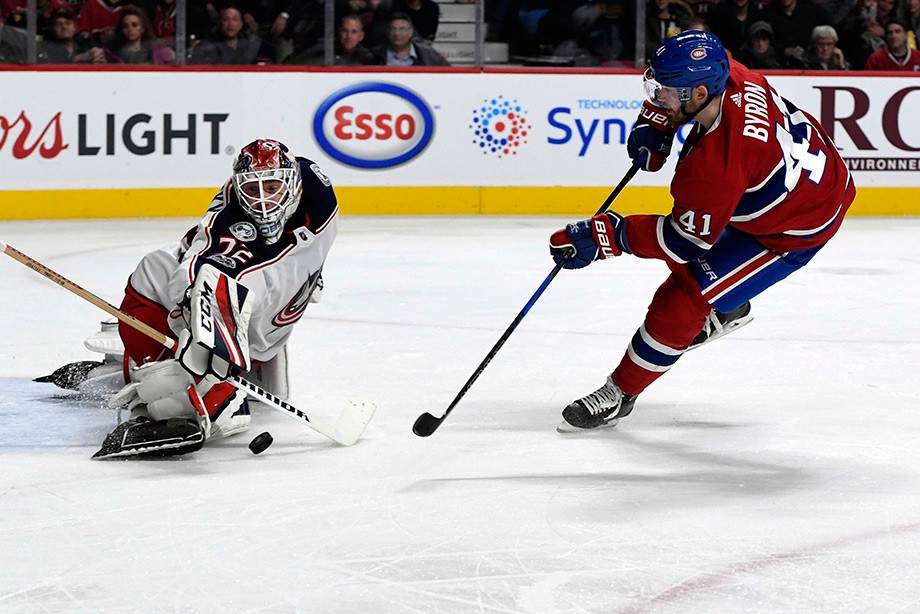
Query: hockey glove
{"points": [[217, 340], [579, 244], [649, 143]]}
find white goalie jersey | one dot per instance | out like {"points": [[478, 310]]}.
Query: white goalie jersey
{"points": [[280, 277]]}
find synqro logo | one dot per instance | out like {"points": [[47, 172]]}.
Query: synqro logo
{"points": [[373, 125], [588, 133]]}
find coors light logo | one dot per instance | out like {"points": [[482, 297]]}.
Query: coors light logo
{"points": [[49, 143], [26, 136]]}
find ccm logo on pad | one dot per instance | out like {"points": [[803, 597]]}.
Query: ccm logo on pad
{"points": [[373, 125]]}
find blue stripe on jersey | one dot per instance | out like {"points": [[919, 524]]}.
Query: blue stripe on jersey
{"points": [[757, 202], [729, 255], [677, 245], [659, 358]]}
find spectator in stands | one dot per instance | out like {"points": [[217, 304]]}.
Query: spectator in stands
{"points": [[98, 19], [758, 52], [424, 14], [896, 54], [75, 5], [606, 30], [861, 32], [61, 45], [134, 42], [13, 44], [499, 16], [823, 54], [698, 23], [837, 9], [16, 12], [909, 12], [701, 9], [886, 11], [374, 15], [198, 20], [268, 19], [730, 20], [400, 50], [350, 50], [664, 19], [229, 43], [542, 25], [300, 32], [793, 22]]}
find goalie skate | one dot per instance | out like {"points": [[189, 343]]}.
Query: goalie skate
{"points": [[90, 376], [70, 376], [142, 437], [603, 408]]}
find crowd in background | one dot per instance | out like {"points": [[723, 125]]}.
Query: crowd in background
{"points": [[789, 34]]}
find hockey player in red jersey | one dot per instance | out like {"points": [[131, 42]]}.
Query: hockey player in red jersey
{"points": [[229, 292], [759, 188]]}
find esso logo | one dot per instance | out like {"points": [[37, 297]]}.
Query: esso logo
{"points": [[373, 125], [698, 54]]}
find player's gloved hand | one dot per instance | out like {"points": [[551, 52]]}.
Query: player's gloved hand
{"points": [[199, 360], [579, 244], [649, 143]]}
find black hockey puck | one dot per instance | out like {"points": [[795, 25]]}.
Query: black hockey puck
{"points": [[261, 442]]}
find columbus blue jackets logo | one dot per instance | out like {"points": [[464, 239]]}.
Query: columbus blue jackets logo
{"points": [[244, 231], [293, 311]]}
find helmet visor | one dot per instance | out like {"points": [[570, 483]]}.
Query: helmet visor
{"points": [[663, 96]]}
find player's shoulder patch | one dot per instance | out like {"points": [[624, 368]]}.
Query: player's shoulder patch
{"points": [[321, 175], [317, 201]]}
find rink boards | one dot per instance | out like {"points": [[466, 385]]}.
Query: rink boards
{"points": [[132, 143]]}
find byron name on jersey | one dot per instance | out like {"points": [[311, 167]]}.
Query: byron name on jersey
{"points": [[764, 167]]}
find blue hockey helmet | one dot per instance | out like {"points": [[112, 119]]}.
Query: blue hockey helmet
{"points": [[686, 60]]}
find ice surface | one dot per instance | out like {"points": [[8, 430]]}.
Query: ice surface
{"points": [[776, 470]]}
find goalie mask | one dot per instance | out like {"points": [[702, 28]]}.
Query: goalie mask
{"points": [[266, 177]]}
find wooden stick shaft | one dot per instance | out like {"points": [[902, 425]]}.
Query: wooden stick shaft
{"points": [[65, 283]]}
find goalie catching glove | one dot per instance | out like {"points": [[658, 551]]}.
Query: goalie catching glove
{"points": [[579, 244], [217, 340]]}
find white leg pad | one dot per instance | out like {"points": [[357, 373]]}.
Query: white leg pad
{"points": [[272, 375]]}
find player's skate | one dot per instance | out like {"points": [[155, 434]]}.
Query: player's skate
{"points": [[92, 377], [720, 324], [603, 408]]}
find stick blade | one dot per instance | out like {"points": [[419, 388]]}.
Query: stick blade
{"points": [[426, 424], [354, 419]]}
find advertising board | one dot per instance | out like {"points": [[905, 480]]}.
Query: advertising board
{"points": [[150, 143]]}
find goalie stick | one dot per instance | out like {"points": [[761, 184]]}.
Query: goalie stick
{"points": [[426, 424], [346, 431]]}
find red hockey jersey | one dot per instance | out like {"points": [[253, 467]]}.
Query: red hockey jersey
{"points": [[764, 167]]}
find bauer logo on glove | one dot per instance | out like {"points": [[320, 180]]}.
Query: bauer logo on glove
{"points": [[649, 142], [579, 244]]}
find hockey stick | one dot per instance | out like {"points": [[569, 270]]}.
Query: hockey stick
{"points": [[426, 424], [346, 431]]}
